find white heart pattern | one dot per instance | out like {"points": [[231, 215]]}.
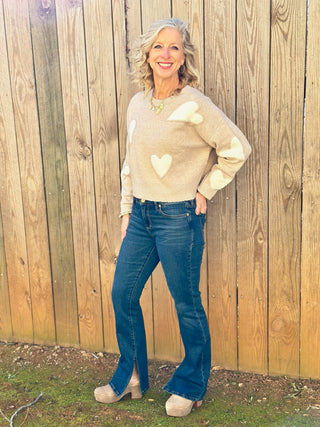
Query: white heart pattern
{"points": [[131, 128], [161, 166], [187, 112], [218, 180], [125, 171], [235, 152]]}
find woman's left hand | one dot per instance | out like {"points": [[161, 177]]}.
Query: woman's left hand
{"points": [[201, 204]]}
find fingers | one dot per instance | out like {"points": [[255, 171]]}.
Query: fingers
{"points": [[201, 204], [124, 225]]}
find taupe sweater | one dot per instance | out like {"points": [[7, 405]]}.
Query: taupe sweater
{"points": [[167, 157]]}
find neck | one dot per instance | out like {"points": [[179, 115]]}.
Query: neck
{"points": [[162, 89]]}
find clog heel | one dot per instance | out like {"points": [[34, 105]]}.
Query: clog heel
{"points": [[105, 394], [178, 406]]}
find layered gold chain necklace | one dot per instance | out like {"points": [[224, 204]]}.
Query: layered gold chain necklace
{"points": [[158, 108]]}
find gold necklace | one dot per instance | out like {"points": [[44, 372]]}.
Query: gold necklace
{"points": [[158, 108]]}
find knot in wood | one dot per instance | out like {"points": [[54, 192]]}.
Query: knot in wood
{"points": [[75, 3], [85, 150], [46, 5], [277, 324], [45, 8]]}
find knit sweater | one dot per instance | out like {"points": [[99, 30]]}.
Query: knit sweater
{"points": [[168, 154]]}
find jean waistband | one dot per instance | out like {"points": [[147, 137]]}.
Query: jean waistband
{"points": [[190, 203]]}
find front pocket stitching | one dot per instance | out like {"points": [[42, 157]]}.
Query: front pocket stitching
{"points": [[173, 216]]}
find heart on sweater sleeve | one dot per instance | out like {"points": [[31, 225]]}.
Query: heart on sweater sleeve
{"points": [[218, 180], [131, 129], [234, 152]]}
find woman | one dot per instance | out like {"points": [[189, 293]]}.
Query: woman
{"points": [[166, 181]]}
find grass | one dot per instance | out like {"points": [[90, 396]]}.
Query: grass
{"points": [[68, 401]]}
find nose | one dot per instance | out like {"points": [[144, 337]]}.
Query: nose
{"points": [[165, 53]]}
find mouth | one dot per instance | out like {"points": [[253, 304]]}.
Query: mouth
{"points": [[165, 65]]}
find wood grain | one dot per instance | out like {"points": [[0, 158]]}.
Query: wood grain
{"points": [[153, 11], [310, 268], [80, 166], [11, 199], [221, 229], [103, 114], [53, 144], [253, 28], [126, 28], [31, 173], [6, 126], [5, 315], [288, 28]]}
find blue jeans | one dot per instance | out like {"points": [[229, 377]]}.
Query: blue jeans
{"points": [[173, 234]]}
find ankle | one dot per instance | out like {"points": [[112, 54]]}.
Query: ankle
{"points": [[135, 376], [134, 380]]}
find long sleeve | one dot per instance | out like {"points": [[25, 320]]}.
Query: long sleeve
{"points": [[126, 188], [232, 148]]}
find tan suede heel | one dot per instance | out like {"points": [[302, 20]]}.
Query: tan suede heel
{"points": [[105, 394], [178, 406]]}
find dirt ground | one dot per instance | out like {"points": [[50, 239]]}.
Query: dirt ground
{"points": [[230, 389]]}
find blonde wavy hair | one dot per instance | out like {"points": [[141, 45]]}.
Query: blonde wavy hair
{"points": [[141, 71]]}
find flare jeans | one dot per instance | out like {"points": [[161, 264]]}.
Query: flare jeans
{"points": [[173, 234]]}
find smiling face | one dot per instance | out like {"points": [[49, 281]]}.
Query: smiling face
{"points": [[166, 56]]}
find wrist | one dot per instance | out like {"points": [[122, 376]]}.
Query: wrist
{"points": [[124, 214]]}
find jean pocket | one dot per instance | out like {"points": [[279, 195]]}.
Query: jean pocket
{"points": [[173, 210]]}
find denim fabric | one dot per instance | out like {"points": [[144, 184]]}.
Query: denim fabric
{"points": [[173, 234]]}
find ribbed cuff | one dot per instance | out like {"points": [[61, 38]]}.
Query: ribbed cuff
{"points": [[124, 213]]}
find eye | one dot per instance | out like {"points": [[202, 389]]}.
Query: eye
{"points": [[157, 46], [174, 47]]}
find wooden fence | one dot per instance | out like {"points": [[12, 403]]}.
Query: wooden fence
{"points": [[64, 91]]}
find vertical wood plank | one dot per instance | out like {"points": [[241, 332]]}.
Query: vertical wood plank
{"points": [[103, 109], [80, 163], [310, 268], [286, 121], [126, 27], [253, 29], [11, 204], [153, 11], [5, 314], [192, 12], [53, 142], [220, 53], [30, 161], [6, 127]]}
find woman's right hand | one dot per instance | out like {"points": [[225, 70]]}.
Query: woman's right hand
{"points": [[124, 225]]}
